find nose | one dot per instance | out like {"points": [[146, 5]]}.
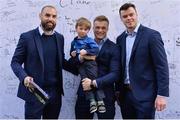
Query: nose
{"points": [[100, 29], [50, 18], [128, 17], [83, 31]]}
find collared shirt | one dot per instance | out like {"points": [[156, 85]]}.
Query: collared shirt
{"points": [[129, 45], [101, 43], [41, 31]]}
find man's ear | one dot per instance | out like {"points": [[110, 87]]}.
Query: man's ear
{"points": [[40, 16]]}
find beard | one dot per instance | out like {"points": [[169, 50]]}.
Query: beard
{"points": [[48, 27]]}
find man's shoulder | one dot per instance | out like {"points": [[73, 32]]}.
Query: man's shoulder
{"points": [[110, 43], [121, 35], [58, 34], [30, 32], [148, 29], [109, 49]]}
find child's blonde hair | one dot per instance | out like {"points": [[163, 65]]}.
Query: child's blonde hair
{"points": [[83, 22]]}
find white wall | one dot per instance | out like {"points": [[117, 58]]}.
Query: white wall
{"points": [[17, 16]]}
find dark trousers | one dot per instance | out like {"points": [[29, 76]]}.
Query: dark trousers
{"points": [[88, 69], [51, 110], [131, 108], [82, 109]]}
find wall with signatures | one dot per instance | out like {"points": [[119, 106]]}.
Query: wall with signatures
{"points": [[17, 16]]}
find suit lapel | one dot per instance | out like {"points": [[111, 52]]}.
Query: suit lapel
{"points": [[59, 49], [123, 48], [137, 41], [103, 48], [39, 46]]}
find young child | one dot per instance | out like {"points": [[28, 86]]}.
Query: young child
{"points": [[86, 47]]}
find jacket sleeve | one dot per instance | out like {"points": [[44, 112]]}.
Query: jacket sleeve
{"points": [[160, 64], [72, 47], [19, 58], [68, 65], [113, 73]]}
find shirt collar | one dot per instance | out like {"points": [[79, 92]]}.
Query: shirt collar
{"points": [[103, 41], [134, 32], [41, 31]]}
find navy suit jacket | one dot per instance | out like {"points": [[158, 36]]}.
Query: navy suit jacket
{"points": [[108, 70], [148, 67], [29, 53]]}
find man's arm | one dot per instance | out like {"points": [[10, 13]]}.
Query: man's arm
{"points": [[72, 48], [160, 64], [161, 69], [19, 58], [110, 77], [69, 65], [114, 70], [92, 51]]}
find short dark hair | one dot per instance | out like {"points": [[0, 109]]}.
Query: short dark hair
{"points": [[126, 6], [101, 18], [47, 6]]}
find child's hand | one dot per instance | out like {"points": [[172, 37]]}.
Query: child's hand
{"points": [[83, 52], [73, 53]]}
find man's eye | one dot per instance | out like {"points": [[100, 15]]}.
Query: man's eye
{"points": [[54, 16], [125, 16], [47, 15], [131, 14]]}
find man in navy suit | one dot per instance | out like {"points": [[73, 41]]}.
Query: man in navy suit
{"points": [[108, 72], [41, 51], [144, 79]]}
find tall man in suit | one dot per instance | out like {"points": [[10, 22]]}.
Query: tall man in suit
{"points": [[108, 71], [144, 79], [41, 51]]}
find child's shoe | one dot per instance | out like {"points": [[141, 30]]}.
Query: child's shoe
{"points": [[93, 106], [101, 107]]}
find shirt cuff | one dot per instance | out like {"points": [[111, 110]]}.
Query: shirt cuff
{"points": [[95, 83], [161, 96], [81, 60]]}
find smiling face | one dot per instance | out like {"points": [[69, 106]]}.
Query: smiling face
{"points": [[130, 18], [100, 29], [48, 17]]}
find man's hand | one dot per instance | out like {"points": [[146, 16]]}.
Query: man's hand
{"points": [[27, 83], [83, 52], [160, 103], [86, 83], [73, 53]]}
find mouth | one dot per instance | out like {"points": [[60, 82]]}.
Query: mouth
{"points": [[49, 23], [100, 34], [130, 22]]}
